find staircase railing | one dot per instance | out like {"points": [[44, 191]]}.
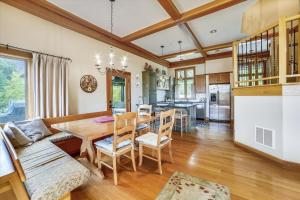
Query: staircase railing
{"points": [[270, 56]]}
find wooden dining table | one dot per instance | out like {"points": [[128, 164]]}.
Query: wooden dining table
{"points": [[89, 130]]}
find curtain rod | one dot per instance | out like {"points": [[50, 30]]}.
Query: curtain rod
{"points": [[30, 51]]}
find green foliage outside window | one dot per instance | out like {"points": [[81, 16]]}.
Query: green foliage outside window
{"points": [[12, 83]]}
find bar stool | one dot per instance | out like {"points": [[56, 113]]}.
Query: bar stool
{"points": [[181, 120]]}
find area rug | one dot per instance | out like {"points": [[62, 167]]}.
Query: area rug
{"points": [[185, 187]]}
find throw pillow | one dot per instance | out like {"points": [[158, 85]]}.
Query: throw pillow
{"points": [[16, 136], [35, 129]]}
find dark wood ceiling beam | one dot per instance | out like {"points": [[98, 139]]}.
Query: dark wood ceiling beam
{"points": [[206, 9], [206, 49], [172, 55], [185, 63], [56, 15], [218, 46], [170, 8], [195, 61], [194, 38]]}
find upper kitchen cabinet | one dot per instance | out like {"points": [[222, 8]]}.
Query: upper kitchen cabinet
{"points": [[219, 78], [149, 87], [200, 84]]}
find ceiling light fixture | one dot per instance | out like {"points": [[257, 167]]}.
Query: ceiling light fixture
{"points": [[111, 65], [213, 31], [162, 49], [180, 47]]}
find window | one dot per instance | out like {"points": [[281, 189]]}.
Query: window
{"points": [[12, 89], [251, 71], [185, 83]]}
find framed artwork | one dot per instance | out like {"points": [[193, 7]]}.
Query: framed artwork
{"points": [[88, 83]]}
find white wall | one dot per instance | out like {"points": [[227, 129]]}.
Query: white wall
{"points": [[279, 113], [263, 111], [291, 123], [21, 29]]}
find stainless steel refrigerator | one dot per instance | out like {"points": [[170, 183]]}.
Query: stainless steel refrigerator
{"points": [[219, 102]]}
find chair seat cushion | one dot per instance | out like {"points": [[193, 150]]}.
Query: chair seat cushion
{"points": [[151, 139], [107, 144], [142, 126], [50, 172]]}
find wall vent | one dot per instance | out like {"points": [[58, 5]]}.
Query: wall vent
{"points": [[265, 136]]}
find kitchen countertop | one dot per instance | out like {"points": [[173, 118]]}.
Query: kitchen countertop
{"points": [[176, 105]]}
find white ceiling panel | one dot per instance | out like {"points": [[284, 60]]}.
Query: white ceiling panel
{"points": [[169, 38], [226, 22], [129, 15], [219, 51], [186, 5], [185, 57]]}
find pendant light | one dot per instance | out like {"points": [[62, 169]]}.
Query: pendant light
{"points": [[111, 65]]}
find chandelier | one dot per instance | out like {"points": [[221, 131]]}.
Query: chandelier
{"points": [[111, 66]]}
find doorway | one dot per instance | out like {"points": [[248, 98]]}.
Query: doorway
{"points": [[118, 91]]}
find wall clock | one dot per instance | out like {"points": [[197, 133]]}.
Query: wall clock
{"points": [[88, 83]]}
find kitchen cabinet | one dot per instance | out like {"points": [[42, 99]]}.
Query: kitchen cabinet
{"points": [[149, 87], [200, 84], [219, 78]]}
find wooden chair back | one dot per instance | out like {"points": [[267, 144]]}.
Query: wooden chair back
{"points": [[166, 124], [13, 155], [145, 110], [124, 128]]}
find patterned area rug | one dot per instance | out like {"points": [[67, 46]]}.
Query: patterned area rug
{"points": [[184, 187]]}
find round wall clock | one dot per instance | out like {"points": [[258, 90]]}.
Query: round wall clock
{"points": [[88, 83]]}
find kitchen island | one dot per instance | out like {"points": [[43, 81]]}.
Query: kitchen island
{"points": [[187, 107]]}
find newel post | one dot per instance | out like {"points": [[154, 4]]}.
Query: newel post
{"points": [[282, 50], [235, 64]]}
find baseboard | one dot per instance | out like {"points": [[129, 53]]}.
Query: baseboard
{"points": [[282, 163]]}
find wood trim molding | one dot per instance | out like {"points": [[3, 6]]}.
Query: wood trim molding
{"points": [[264, 90], [127, 77], [201, 11], [56, 15], [200, 60], [282, 163], [16, 53], [184, 63]]}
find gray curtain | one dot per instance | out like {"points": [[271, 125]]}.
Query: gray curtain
{"points": [[49, 77]]}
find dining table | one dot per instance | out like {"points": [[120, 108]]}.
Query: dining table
{"points": [[90, 129]]}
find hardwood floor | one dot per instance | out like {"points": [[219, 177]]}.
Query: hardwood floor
{"points": [[208, 154]]}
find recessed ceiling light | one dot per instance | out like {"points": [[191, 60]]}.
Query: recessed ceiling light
{"points": [[213, 31]]}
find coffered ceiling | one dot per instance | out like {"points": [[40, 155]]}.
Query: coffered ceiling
{"points": [[205, 27]]}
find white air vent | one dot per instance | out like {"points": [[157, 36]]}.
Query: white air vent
{"points": [[265, 136]]}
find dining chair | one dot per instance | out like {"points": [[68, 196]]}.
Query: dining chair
{"points": [[158, 141], [144, 110], [181, 120], [120, 143]]}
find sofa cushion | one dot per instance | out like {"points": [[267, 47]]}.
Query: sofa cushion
{"points": [[34, 129], [62, 136], [16, 136], [50, 172]]}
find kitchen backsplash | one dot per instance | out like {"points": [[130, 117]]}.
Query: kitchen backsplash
{"points": [[160, 94]]}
